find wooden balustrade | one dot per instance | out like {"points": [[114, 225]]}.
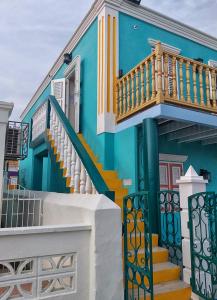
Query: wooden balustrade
{"points": [[165, 77]]}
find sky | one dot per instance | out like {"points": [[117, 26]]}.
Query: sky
{"points": [[34, 32]]}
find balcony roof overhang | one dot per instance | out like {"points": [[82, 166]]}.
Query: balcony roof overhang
{"points": [[178, 124]]}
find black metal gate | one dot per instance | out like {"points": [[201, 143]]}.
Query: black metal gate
{"points": [[137, 247], [203, 239], [170, 225]]}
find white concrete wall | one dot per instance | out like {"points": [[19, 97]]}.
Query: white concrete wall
{"points": [[106, 275], [46, 247], [5, 111]]}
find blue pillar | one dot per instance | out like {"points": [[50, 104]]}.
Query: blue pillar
{"points": [[151, 168]]}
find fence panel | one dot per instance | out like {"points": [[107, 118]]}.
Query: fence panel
{"points": [[137, 247], [203, 242], [170, 224]]}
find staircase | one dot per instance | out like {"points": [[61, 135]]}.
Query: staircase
{"points": [[68, 148], [166, 276], [167, 283]]}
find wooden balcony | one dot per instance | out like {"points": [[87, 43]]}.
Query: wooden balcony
{"points": [[163, 77]]}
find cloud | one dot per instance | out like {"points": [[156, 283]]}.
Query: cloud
{"points": [[33, 33]]}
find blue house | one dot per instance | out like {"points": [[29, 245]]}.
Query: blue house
{"points": [[128, 106]]}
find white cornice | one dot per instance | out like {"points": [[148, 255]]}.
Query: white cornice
{"points": [[7, 106], [166, 47], [137, 11]]}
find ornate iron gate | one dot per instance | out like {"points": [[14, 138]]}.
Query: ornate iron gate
{"points": [[170, 224], [137, 247], [203, 240]]}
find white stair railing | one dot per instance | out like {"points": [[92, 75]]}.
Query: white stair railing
{"points": [[80, 181], [39, 121]]}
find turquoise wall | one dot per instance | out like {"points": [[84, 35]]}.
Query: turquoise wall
{"points": [[113, 150], [200, 157], [134, 47], [125, 155]]}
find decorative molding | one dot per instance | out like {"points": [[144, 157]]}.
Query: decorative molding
{"points": [[140, 12], [166, 47], [172, 158], [212, 63], [8, 106], [75, 62]]}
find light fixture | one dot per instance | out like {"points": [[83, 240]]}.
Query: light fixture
{"points": [[67, 58], [135, 1]]}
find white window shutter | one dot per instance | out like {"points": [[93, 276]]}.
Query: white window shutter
{"points": [[58, 90]]}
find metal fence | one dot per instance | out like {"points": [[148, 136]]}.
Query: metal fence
{"points": [[170, 224], [138, 247], [20, 208], [203, 240]]}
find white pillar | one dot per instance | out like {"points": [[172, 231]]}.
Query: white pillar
{"points": [[189, 184], [108, 61]]}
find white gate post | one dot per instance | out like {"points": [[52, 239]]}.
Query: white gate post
{"points": [[189, 184], [5, 112]]}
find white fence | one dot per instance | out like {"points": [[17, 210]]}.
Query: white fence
{"points": [[20, 208], [45, 262]]}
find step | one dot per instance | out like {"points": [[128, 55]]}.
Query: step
{"points": [[172, 290], [120, 194], [162, 272], [159, 255], [114, 183], [140, 241]]}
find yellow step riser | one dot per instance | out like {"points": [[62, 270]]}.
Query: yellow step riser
{"points": [[137, 241], [157, 257], [161, 276]]}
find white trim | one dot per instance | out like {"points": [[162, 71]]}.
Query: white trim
{"points": [[74, 66], [172, 158], [212, 63], [136, 11], [106, 119], [166, 47], [75, 62]]}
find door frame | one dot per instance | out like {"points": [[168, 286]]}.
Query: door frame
{"points": [[171, 159], [74, 66]]}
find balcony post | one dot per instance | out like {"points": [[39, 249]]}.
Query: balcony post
{"points": [[151, 167], [159, 55]]}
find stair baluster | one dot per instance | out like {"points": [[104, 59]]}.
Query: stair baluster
{"points": [[88, 186], [82, 179], [77, 175], [68, 160], [62, 144], [73, 161]]}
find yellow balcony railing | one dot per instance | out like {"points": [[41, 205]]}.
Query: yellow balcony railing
{"points": [[163, 77]]}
